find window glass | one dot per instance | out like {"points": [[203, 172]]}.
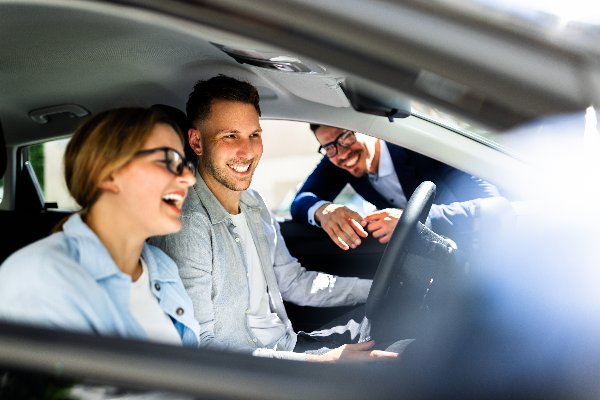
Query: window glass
{"points": [[47, 162], [457, 124], [36, 156], [289, 156]]}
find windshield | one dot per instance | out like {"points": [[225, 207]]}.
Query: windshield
{"points": [[547, 12], [453, 122], [575, 22]]}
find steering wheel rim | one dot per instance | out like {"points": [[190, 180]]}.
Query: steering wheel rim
{"points": [[417, 209]]}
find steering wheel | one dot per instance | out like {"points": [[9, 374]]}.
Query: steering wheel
{"points": [[417, 209]]}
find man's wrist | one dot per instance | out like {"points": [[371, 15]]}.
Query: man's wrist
{"points": [[312, 211]]}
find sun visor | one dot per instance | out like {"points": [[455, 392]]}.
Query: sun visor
{"points": [[370, 98]]}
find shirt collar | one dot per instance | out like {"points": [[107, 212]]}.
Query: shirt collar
{"points": [[386, 167], [93, 256], [216, 212], [156, 261], [97, 261]]}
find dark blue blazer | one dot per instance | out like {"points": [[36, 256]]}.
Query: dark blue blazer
{"points": [[454, 206]]}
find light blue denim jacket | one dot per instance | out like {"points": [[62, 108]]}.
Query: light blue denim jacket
{"points": [[69, 281], [213, 268]]}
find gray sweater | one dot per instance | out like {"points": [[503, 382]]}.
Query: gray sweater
{"points": [[213, 269]]}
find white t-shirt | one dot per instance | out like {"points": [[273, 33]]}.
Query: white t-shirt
{"points": [[145, 309], [265, 324]]}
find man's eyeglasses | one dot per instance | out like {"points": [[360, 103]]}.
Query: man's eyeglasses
{"points": [[345, 139], [173, 160]]}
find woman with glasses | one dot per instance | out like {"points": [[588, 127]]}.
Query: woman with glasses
{"points": [[97, 274]]}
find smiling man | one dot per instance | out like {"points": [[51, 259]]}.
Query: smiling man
{"points": [[385, 175], [231, 256]]}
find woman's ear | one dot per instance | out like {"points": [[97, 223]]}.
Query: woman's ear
{"points": [[109, 184], [194, 140]]}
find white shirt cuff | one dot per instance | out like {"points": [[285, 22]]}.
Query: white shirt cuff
{"points": [[313, 210]]}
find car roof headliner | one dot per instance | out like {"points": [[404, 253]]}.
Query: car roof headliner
{"points": [[98, 59], [101, 56], [53, 56]]}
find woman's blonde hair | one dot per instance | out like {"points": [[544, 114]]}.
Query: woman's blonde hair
{"points": [[105, 143]]}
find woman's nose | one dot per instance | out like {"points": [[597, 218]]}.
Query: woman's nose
{"points": [[188, 177]]}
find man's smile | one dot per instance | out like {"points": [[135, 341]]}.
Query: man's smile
{"points": [[240, 167], [350, 161]]}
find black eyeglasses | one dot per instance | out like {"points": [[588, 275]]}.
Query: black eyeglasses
{"points": [[173, 160], [345, 139]]}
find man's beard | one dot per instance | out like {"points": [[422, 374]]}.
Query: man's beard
{"points": [[220, 174]]}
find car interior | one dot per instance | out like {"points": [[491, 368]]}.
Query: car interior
{"points": [[63, 62]]}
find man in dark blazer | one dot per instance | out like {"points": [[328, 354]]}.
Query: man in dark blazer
{"points": [[386, 175]]}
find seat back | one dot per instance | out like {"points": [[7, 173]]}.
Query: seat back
{"points": [[20, 228], [29, 221], [2, 152], [28, 196]]}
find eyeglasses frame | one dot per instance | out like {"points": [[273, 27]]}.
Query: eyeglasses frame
{"points": [[336, 143], [184, 161]]}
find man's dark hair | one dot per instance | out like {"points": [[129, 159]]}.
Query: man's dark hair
{"points": [[314, 127], [219, 87]]}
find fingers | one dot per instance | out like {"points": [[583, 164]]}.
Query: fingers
{"points": [[358, 227], [376, 215], [384, 355], [338, 241], [343, 225], [382, 233], [385, 238], [379, 228], [381, 224], [360, 346], [374, 225], [362, 352], [342, 235], [393, 213]]}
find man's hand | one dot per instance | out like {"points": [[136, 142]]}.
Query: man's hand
{"points": [[353, 353], [343, 225], [381, 223]]}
